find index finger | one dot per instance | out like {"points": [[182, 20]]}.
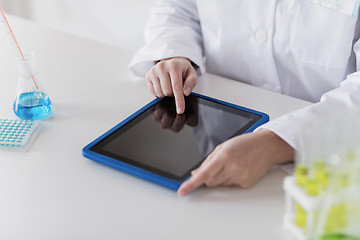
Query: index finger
{"points": [[202, 175], [177, 85], [190, 185]]}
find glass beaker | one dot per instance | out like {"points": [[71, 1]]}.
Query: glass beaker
{"points": [[31, 102]]}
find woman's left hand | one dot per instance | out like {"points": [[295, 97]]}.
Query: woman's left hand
{"points": [[240, 161]]}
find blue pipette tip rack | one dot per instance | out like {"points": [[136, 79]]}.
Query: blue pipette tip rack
{"points": [[15, 134]]}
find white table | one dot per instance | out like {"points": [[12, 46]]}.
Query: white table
{"points": [[53, 192]]}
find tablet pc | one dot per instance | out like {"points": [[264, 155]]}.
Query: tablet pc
{"points": [[161, 146]]}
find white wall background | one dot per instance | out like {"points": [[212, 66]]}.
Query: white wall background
{"points": [[115, 22]]}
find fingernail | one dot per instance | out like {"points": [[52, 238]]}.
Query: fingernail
{"points": [[182, 193], [179, 110], [187, 91]]}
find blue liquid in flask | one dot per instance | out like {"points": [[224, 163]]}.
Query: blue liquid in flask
{"points": [[32, 106]]}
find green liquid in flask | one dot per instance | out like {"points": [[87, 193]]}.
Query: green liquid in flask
{"points": [[32, 106]]}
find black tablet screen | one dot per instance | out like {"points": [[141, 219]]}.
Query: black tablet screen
{"points": [[172, 145]]}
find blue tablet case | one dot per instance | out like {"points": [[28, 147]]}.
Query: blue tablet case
{"points": [[145, 174]]}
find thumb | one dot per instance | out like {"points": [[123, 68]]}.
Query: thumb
{"points": [[190, 81]]}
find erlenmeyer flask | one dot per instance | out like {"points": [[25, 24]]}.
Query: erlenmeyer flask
{"points": [[31, 102]]}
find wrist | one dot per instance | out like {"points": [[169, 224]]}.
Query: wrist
{"points": [[279, 150], [181, 59]]}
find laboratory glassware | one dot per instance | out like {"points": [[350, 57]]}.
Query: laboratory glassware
{"points": [[31, 102]]}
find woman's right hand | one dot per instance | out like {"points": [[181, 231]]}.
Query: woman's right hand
{"points": [[172, 77]]}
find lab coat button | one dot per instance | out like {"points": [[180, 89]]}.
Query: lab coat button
{"points": [[261, 36]]}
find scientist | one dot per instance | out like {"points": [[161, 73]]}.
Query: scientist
{"points": [[302, 48]]}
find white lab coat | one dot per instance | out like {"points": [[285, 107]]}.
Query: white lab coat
{"points": [[301, 48]]}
